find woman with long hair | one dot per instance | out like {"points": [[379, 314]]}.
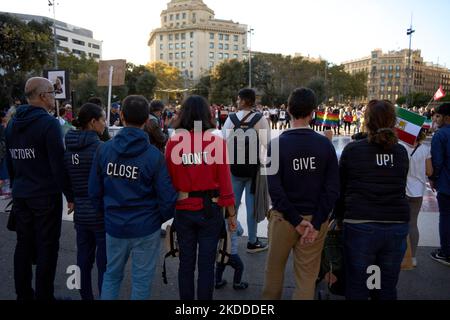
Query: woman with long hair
{"points": [[198, 164], [373, 206], [81, 146]]}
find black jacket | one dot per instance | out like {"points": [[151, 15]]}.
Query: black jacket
{"points": [[373, 183], [35, 153], [81, 148]]}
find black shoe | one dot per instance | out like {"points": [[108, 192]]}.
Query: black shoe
{"points": [[221, 284], [256, 247], [439, 257], [240, 286]]}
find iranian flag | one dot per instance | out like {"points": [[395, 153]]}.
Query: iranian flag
{"points": [[408, 125], [439, 94]]}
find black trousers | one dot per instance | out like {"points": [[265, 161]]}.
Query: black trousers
{"points": [[38, 223], [236, 263]]}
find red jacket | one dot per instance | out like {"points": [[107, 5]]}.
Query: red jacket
{"points": [[199, 162]]}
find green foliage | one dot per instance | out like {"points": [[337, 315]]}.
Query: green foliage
{"points": [[226, 80], [202, 87], [25, 50], [146, 84]]}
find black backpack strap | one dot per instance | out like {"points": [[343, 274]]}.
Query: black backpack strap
{"points": [[415, 149], [255, 120], [235, 120]]}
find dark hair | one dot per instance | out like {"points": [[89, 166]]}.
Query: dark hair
{"points": [[195, 108], [444, 109], [156, 105], [248, 95], [62, 112], [381, 118], [96, 100], [302, 102], [87, 112], [135, 110]]}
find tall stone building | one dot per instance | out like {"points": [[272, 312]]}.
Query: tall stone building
{"points": [[191, 39], [388, 74]]}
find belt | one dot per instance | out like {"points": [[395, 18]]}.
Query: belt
{"points": [[209, 197]]}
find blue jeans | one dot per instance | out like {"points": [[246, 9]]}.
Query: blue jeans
{"points": [[144, 255], [239, 185], [194, 229], [91, 247], [444, 222], [369, 244]]}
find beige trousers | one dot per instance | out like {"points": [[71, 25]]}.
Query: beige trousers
{"points": [[282, 239]]}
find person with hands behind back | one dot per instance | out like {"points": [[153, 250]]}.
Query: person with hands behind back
{"points": [[303, 191]]}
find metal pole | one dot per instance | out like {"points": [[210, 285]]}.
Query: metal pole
{"points": [[250, 58], [111, 70], [50, 3], [409, 32]]}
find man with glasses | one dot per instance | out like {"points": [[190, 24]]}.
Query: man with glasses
{"points": [[35, 154]]}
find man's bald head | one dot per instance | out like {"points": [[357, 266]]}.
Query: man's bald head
{"points": [[40, 93]]}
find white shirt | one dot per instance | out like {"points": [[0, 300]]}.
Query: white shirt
{"points": [[262, 127], [417, 179]]}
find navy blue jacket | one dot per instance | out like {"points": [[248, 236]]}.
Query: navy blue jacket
{"points": [[131, 177], [440, 153], [80, 150], [35, 154], [307, 180]]}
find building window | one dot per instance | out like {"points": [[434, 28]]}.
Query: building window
{"points": [[170, 46], [211, 36], [183, 45], [220, 54], [171, 56], [383, 75], [235, 56], [381, 88], [170, 37], [192, 35], [183, 64], [177, 46], [178, 24], [183, 36], [161, 56], [191, 74], [191, 64], [178, 16], [226, 46], [211, 64], [184, 15], [236, 38], [161, 37], [177, 64], [165, 18], [227, 37], [177, 36], [62, 38], [191, 44], [211, 55], [183, 55], [236, 47], [78, 42], [211, 45], [391, 68], [78, 52], [177, 55], [397, 68], [171, 17], [191, 54], [220, 36], [226, 56], [95, 56], [161, 46], [220, 46]]}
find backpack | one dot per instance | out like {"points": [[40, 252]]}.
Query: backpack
{"points": [[243, 162]]}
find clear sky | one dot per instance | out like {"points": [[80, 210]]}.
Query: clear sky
{"points": [[336, 30]]}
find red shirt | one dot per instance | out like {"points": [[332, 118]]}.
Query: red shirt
{"points": [[199, 162]]}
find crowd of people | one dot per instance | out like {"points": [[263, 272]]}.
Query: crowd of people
{"points": [[122, 189]]}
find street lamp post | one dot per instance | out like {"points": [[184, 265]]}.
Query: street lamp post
{"points": [[250, 32], [409, 32], [51, 3]]}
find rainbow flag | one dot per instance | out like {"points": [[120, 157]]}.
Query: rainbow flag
{"points": [[327, 120]]}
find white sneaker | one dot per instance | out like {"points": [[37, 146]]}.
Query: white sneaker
{"points": [[414, 262]]}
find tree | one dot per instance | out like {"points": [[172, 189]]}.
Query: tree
{"points": [[203, 86], [168, 79], [146, 84], [226, 81], [25, 49]]}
